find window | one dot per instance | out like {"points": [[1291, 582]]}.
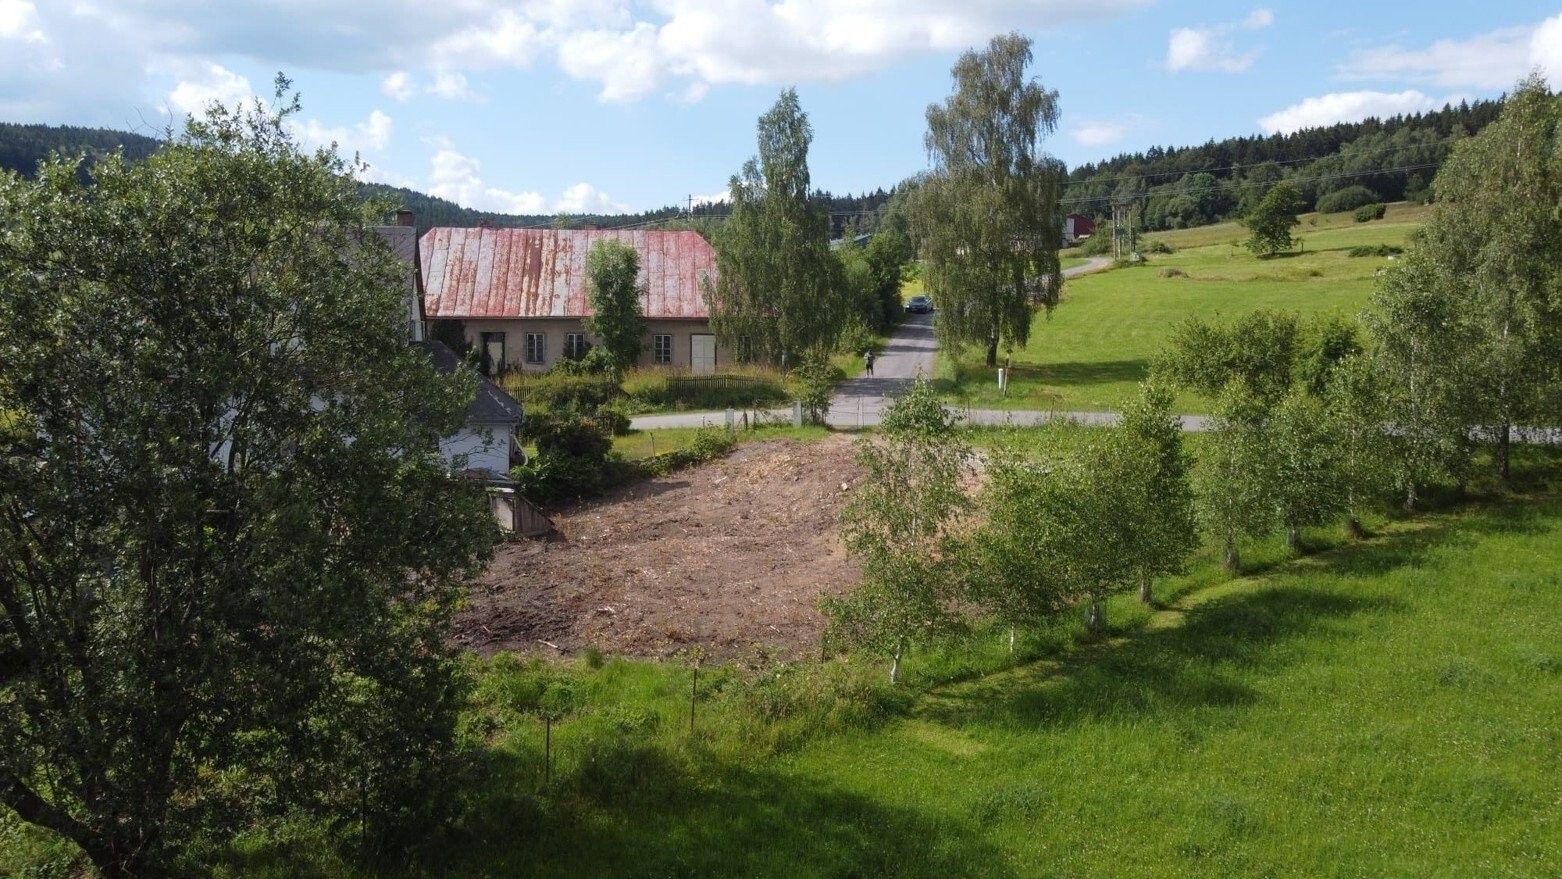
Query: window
{"points": [[662, 348], [536, 348], [575, 346], [493, 353]]}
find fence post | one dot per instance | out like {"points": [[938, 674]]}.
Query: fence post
{"points": [[731, 418], [797, 413]]}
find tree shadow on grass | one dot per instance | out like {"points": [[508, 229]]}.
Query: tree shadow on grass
{"points": [[723, 820], [1196, 664]]}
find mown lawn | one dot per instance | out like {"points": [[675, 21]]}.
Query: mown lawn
{"points": [[1097, 345]]}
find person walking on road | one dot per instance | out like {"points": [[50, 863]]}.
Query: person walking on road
{"points": [[867, 359]]}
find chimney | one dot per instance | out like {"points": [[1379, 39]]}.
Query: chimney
{"points": [[405, 217]]}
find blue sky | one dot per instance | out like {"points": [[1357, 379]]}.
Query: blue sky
{"points": [[609, 105]]}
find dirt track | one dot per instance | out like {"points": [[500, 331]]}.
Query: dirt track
{"points": [[732, 555]]}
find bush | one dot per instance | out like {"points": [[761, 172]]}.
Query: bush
{"points": [[573, 457], [563, 389], [612, 418], [855, 338], [1097, 244], [1369, 212], [1173, 273], [737, 388], [709, 444], [1347, 199], [816, 379], [1155, 245], [1376, 250]]}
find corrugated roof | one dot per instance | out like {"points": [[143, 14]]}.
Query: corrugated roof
{"points": [[499, 273]]}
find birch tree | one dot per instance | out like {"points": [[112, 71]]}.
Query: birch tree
{"points": [[1307, 482], [778, 288], [1494, 246], [1233, 480], [898, 526], [986, 218], [1164, 528]]}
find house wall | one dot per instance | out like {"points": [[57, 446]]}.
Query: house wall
{"points": [[554, 329], [486, 447]]}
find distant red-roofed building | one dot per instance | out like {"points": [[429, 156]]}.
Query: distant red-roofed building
{"points": [[521, 294], [1076, 227]]}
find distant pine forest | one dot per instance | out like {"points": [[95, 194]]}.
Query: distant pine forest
{"points": [[1170, 187]]}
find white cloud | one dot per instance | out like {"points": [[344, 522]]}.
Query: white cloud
{"points": [[1491, 60], [457, 177], [451, 86], [19, 21], [628, 48], [1346, 107], [1094, 134], [1211, 47], [713, 198], [207, 84], [372, 134], [583, 198], [398, 86]]}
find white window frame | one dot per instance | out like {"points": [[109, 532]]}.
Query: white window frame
{"points": [[576, 345], [536, 348], [662, 348]]}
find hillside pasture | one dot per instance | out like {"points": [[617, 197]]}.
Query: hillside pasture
{"points": [[1097, 345]]}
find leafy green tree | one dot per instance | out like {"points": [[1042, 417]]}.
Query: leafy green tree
{"points": [[1494, 244], [899, 526], [616, 317], [1234, 480], [1272, 220], [777, 293], [1353, 401], [229, 549], [986, 218], [1017, 562], [1160, 496], [1308, 485], [816, 382], [1419, 353], [1256, 352], [1323, 343]]}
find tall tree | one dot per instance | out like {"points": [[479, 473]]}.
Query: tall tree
{"points": [[777, 293], [1273, 219], [229, 548], [616, 317], [986, 218], [899, 526], [1309, 485], [1494, 242]]}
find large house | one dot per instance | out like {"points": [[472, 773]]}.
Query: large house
{"points": [[520, 295]]}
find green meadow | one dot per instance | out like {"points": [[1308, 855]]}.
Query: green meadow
{"points": [[1388, 707], [1091, 352]]}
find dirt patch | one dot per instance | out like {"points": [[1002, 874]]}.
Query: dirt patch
{"points": [[731, 555]]}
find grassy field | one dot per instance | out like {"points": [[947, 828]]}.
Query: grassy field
{"points": [[1097, 344], [644, 443], [1391, 707]]}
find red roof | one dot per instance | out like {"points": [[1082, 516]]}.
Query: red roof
{"points": [[508, 273]]}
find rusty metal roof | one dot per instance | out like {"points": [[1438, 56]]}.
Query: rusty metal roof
{"points": [[507, 273]]}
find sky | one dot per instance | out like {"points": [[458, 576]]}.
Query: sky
{"points": [[602, 106]]}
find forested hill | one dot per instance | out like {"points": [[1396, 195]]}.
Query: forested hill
{"points": [[1176, 187]]}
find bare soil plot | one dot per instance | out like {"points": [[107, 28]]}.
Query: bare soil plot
{"points": [[731, 555]]}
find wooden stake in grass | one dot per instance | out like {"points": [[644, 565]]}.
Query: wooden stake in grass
{"points": [[696, 654], [557, 700]]}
